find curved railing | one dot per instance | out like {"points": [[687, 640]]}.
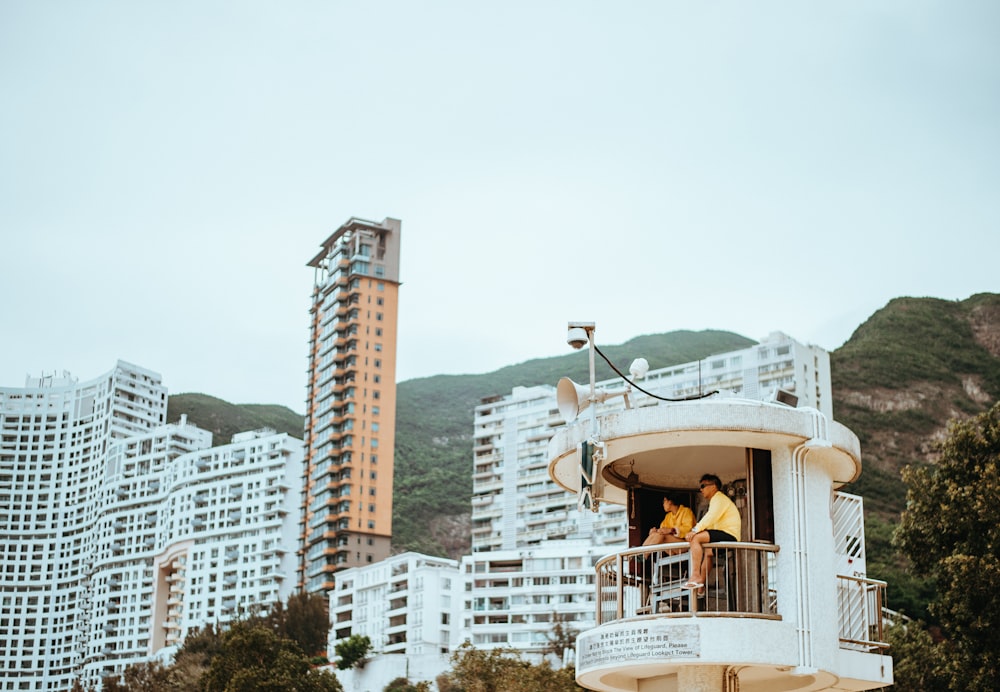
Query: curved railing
{"points": [[649, 580]]}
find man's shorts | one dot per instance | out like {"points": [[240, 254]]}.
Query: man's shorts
{"points": [[716, 536]]}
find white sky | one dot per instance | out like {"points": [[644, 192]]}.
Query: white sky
{"points": [[168, 168]]}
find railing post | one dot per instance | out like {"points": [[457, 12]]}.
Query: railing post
{"points": [[620, 592]]}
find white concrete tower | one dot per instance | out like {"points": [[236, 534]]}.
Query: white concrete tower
{"points": [[787, 606]]}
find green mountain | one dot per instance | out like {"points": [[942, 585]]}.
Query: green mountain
{"points": [[224, 420], [910, 368]]}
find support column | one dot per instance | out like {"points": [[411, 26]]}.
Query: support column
{"points": [[687, 679]]}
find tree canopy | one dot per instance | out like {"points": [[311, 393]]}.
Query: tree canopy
{"points": [[352, 651], [254, 658], [304, 620], [501, 670], [951, 530], [274, 651]]}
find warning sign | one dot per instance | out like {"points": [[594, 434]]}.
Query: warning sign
{"points": [[644, 642]]}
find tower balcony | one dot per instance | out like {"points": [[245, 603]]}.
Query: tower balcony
{"points": [[649, 624]]}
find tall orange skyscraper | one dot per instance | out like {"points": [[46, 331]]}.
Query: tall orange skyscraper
{"points": [[350, 424]]}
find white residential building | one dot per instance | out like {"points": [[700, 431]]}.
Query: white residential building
{"points": [[122, 533], [517, 597], [406, 604]]}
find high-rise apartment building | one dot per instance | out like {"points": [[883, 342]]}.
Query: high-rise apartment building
{"points": [[351, 402], [54, 439], [515, 504], [122, 533]]}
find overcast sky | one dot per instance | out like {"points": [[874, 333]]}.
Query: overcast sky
{"points": [[167, 169]]}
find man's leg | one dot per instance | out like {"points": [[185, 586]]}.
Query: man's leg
{"points": [[698, 542], [654, 538], [706, 570]]}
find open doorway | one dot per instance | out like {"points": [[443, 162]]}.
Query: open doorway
{"points": [[749, 487]]}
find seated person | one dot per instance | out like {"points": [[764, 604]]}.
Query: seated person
{"points": [[720, 523], [675, 525]]}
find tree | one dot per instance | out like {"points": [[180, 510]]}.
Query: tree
{"points": [[253, 658], [916, 659], [501, 670], [304, 620], [113, 683], [562, 637], [404, 685], [150, 676], [352, 651], [951, 529]]}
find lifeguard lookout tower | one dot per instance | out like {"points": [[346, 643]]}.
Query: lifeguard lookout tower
{"points": [[786, 607]]}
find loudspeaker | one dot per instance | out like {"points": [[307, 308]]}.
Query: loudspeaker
{"points": [[787, 398], [572, 398]]}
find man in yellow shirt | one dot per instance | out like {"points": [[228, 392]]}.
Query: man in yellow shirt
{"points": [[720, 523], [675, 525]]}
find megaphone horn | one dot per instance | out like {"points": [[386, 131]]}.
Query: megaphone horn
{"points": [[572, 398]]}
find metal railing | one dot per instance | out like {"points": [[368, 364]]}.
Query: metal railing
{"points": [[861, 604], [649, 580]]}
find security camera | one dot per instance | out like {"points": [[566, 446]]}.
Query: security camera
{"points": [[577, 337]]}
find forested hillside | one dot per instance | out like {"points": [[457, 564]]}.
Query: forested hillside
{"points": [[224, 419], [910, 368]]}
